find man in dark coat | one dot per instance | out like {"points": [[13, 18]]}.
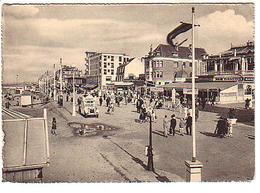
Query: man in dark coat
{"points": [[108, 100], [173, 125], [100, 100], [188, 124]]}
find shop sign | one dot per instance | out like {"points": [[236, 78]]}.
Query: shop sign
{"points": [[189, 91]]}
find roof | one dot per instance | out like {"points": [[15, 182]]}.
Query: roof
{"points": [[126, 63], [202, 85], [17, 155], [183, 52], [239, 50]]}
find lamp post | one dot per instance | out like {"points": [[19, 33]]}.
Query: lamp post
{"points": [[61, 76], [16, 80], [54, 83], [74, 97], [150, 148]]}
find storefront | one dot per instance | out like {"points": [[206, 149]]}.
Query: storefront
{"points": [[224, 92]]}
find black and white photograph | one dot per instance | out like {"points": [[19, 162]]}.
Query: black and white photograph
{"points": [[128, 92]]}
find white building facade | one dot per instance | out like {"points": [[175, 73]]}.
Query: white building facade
{"points": [[103, 66]]}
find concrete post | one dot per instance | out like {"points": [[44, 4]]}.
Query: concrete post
{"points": [[193, 171]]}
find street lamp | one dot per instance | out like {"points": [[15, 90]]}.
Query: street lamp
{"points": [[74, 97], [61, 75], [150, 148], [54, 83]]}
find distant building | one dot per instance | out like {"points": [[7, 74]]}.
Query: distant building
{"points": [[101, 67], [67, 75], [166, 64], [130, 70], [236, 64]]}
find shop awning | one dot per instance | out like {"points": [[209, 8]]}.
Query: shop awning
{"points": [[201, 85]]}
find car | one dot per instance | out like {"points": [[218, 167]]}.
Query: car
{"points": [[88, 106]]}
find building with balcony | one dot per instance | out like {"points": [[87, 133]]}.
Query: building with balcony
{"points": [[102, 67], [236, 60], [236, 64], [166, 64]]}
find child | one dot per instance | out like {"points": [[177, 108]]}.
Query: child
{"points": [[54, 128], [182, 125]]}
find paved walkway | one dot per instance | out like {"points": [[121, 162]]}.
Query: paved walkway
{"points": [[118, 156]]}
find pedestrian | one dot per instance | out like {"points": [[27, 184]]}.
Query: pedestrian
{"points": [[188, 124], [100, 100], [221, 128], [196, 113], [153, 115], [213, 100], [182, 125], [203, 102], [7, 104], [230, 128], [247, 103], [172, 125], [54, 127], [166, 126], [108, 99]]}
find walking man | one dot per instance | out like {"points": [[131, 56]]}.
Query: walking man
{"points": [[100, 100], [188, 124], [173, 125]]}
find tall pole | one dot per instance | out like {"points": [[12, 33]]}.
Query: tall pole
{"points": [[47, 83], [193, 90], [61, 75], [54, 83], [74, 97], [16, 81]]}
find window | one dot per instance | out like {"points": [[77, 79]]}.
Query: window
{"points": [[183, 64], [105, 65], [108, 70], [105, 59], [161, 74], [108, 78], [112, 58], [108, 56], [108, 64], [120, 58], [161, 64], [190, 64], [105, 71], [112, 72], [112, 65]]}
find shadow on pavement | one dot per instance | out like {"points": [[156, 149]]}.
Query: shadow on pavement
{"points": [[208, 134], [137, 160], [161, 178], [114, 167], [161, 133]]}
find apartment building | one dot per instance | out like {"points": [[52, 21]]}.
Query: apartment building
{"points": [[102, 67]]}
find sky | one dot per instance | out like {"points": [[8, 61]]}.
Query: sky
{"points": [[35, 37]]}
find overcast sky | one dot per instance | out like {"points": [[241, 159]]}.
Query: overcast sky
{"points": [[35, 37]]}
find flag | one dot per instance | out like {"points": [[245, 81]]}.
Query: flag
{"points": [[180, 29]]}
